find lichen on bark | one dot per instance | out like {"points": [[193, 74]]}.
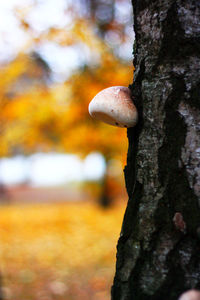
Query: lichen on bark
{"points": [[158, 250]]}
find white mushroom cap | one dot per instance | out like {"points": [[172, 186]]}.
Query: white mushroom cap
{"points": [[190, 295], [114, 106]]}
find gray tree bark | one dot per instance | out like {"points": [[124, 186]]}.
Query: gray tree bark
{"points": [[158, 252]]}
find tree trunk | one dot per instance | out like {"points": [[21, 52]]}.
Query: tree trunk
{"points": [[1, 292], [158, 253]]}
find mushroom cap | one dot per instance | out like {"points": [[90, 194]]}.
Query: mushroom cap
{"points": [[114, 106], [190, 295]]}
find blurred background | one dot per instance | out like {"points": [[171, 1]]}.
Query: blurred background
{"points": [[62, 193]]}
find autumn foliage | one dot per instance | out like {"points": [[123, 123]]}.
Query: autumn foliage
{"points": [[64, 251], [39, 114]]}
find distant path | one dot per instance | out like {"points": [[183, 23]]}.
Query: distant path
{"points": [[28, 194]]}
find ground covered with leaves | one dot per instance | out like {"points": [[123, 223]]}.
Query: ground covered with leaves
{"points": [[58, 251]]}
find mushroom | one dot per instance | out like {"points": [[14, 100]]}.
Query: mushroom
{"points": [[114, 106], [190, 295]]}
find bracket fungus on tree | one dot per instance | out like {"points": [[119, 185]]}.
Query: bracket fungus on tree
{"points": [[114, 106], [190, 295]]}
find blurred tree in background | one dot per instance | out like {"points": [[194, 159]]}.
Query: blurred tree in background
{"points": [[44, 107]]}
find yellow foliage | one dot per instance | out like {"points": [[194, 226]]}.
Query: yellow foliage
{"points": [[68, 243], [39, 116]]}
